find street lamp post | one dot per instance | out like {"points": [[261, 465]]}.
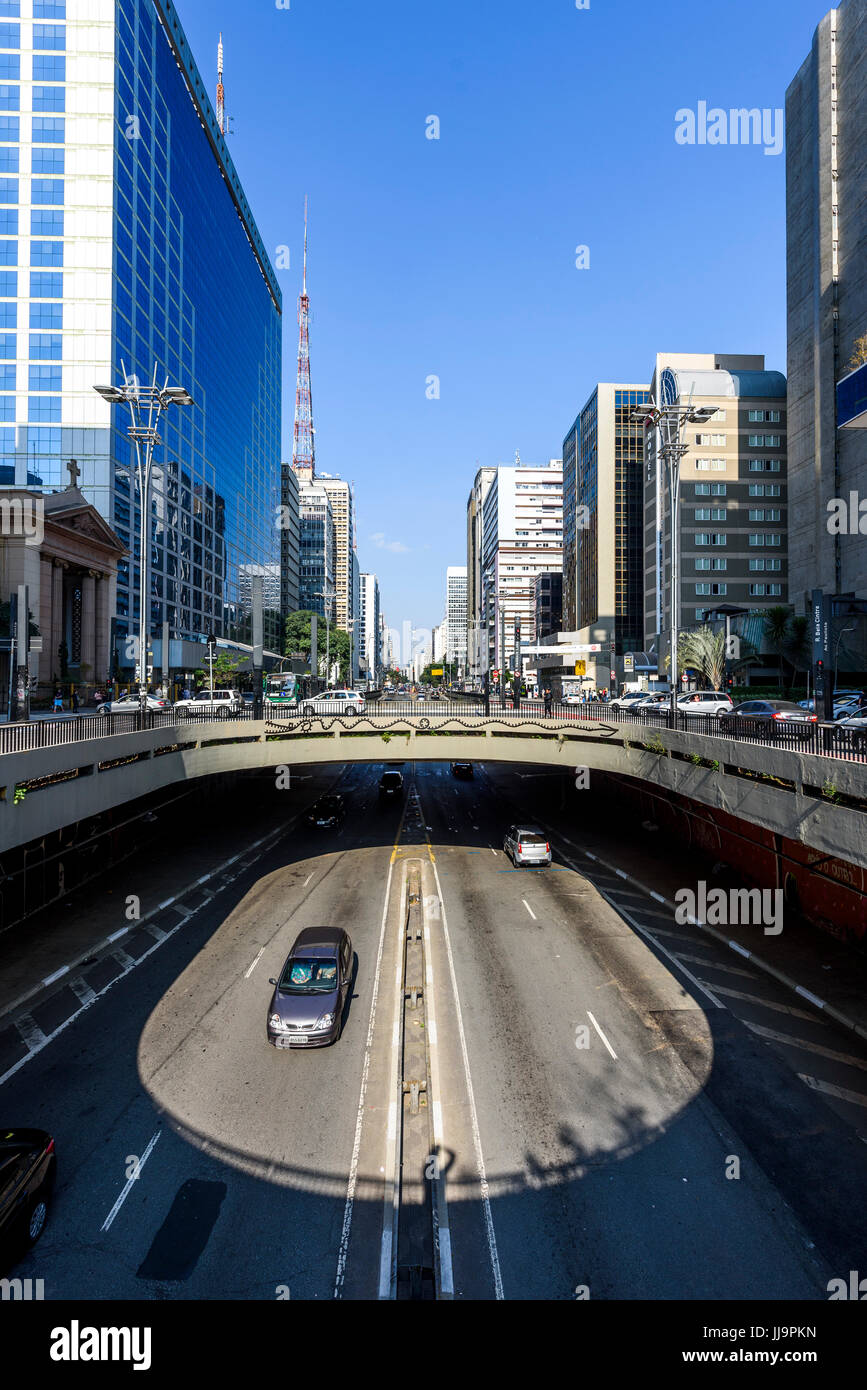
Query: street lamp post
{"points": [[670, 421], [146, 405], [324, 596], [840, 635]]}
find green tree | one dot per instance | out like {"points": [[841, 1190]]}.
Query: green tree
{"points": [[226, 668], [297, 640]]}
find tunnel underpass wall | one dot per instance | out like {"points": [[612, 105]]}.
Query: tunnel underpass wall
{"points": [[828, 890]]}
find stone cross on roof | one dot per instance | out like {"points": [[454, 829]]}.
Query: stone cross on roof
{"points": [[74, 473]]}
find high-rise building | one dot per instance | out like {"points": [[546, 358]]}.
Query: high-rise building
{"points": [[130, 249], [316, 579], [290, 541], [440, 641], [522, 536], [370, 627], [456, 618], [343, 512], [733, 503], [826, 230], [477, 651], [603, 534]]}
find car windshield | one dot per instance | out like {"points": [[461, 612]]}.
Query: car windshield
{"points": [[531, 837], [327, 806], [303, 976], [391, 779]]}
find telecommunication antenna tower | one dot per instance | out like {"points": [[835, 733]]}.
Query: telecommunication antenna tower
{"points": [[303, 448], [221, 105]]}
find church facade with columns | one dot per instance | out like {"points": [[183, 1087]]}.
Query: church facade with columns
{"points": [[71, 574]]}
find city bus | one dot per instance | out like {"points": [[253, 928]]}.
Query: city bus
{"points": [[283, 691]]}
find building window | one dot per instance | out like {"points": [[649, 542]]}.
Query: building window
{"points": [[49, 67], [44, 222], [8, 159], [10, 35], [46, 191], [49, 9], [49, 98], [7, 379], [46, 347], [10, 127], [45, 379], [50, 130], [756, 417], [46, 316], [8, 190], [7, 346], [49, 36], [9, 283], [46, 284], [10, 98], [46, 253], [757, 591], [10, 67], [702, 562], [47, 161], [45, 409]]}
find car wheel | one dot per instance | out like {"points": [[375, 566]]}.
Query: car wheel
{"points": [[308, 710], [37, 1216], [103, 709]]}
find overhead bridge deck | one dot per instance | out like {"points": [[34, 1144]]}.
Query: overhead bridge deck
{"points": [[809, 797]]}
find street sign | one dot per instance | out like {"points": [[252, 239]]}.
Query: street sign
{"points": [[436, 670], [628, 662], [580, 668]]}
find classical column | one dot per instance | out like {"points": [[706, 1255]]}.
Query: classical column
{"points": [[103, 629], [46, 571], [88, 624], [57, 618]]}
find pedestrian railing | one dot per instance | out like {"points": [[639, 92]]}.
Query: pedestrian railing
{"points": [[827, 740]]}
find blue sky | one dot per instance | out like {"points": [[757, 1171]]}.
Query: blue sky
{"points": [[456, 257]]}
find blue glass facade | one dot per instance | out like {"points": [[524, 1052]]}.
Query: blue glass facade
{"points": [[191, 295]]}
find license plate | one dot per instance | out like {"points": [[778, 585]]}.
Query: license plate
{"points": [[287, 1042]]}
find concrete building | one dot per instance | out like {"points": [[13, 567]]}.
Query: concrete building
{"points": [[456, 618], [603, 510], [439, 641], [128, 247], [733, 486], [343, 512], [522, 536], [826, 229], [477, 653], [316, 578], [290, 542], [370, 627]]}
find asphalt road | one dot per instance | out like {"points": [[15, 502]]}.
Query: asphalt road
{"points": [[612, 1128]]}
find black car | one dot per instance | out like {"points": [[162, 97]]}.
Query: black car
{"points": [[309, 998], [391, 786], [27, 1170], [462, 770], [327, 812]]}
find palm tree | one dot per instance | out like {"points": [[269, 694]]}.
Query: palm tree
{"points": [[705, 651], [799, 648], [778, 632]]}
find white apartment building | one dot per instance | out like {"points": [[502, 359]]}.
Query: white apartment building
{"points": [[456, 617], [522, 536], [370, 627], [440, 641]]}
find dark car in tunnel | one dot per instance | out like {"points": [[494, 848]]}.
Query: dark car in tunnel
{"points": [[27, 1169], [391, 786], [307, 1005], [328, 812]]}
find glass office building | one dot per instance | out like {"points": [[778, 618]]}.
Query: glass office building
{"points": [[127, 246]]}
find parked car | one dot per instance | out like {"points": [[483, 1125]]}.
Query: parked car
{"points": [[327, 812], [526, 845], [391, 786], [27, 1170], [131, 704], [222, 703], [770, 713], [464, 770], [334, 702], [309, 998], [704, 702]]}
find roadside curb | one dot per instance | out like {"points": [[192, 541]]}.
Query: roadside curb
{"points": [[759, 962]]}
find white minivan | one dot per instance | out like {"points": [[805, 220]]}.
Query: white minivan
{"points": [[334, 702], [220, 702]]}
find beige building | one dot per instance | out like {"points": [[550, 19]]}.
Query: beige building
{"points": [[733, 502]]}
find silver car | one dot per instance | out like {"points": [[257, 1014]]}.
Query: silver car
{"points": [[526, 845]]}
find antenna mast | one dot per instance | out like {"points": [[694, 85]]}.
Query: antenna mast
{"points": [[221, 118], [303, 448]]}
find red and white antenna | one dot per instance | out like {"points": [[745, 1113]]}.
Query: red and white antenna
{"points": [[221, 118], [303, 447]]}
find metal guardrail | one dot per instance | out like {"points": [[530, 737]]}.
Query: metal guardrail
{"points": [[826, 740]]}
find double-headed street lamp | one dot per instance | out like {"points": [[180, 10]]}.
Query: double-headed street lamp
{"points": [[670, 420], [146, 405]]}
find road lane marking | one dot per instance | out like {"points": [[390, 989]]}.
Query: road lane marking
{"points": [[306, 881], [248, 972], [602, 1035], [854, 1097], [82, 990], [788, 1041], [529, 909], [129, 1183], [365, 1072], [761, 1002], [31, 1034], [442, 1228]]}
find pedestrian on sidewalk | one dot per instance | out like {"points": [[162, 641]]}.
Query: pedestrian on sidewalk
{"points": [[549, 701], [75, 702], [58, 702]]}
